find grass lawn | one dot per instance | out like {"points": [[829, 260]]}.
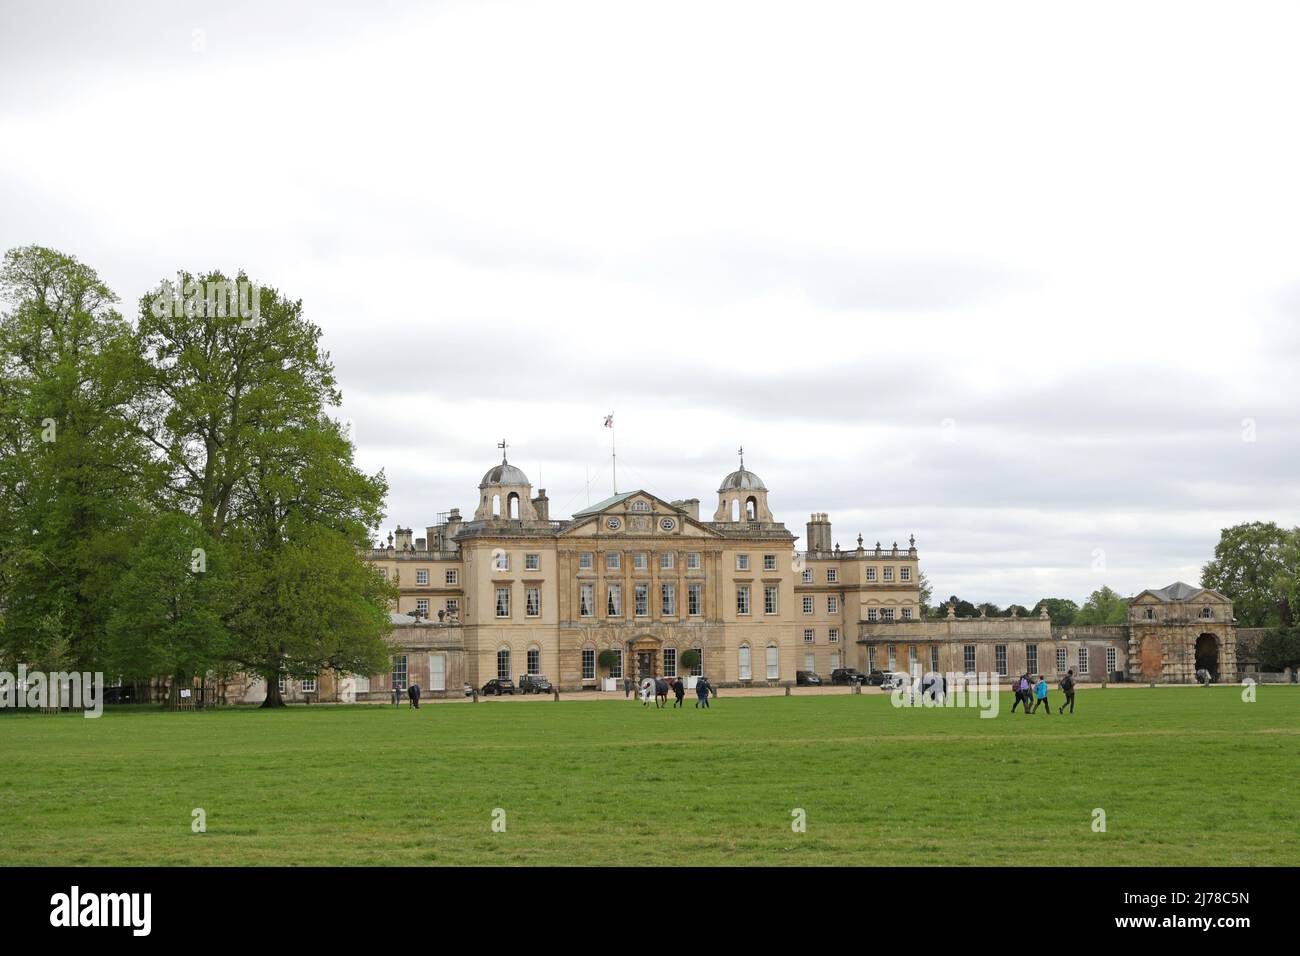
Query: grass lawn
{"points": [[1185, 776]]}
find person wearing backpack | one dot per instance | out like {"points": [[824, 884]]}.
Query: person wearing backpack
{"points": [[1067, 687], [1022, 693]]}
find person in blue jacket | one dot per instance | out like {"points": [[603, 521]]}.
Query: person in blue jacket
{"points": [[1040, 695]]}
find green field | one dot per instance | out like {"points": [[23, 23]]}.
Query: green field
{"points": [[1184, 775]]}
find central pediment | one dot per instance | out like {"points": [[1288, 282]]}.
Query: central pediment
{"points": [[636, 513]]}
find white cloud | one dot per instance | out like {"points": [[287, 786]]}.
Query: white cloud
{"points": [[818, 229]]}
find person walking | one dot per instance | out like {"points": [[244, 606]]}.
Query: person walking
{"points": [[414, 692], [1067, 687], [702, 693], [397, 696], [627, 687], [1022, 693], [679, 691], [1040, 693]]}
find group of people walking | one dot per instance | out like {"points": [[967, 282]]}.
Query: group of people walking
{"points": [[660, 687], [1029, 691]]}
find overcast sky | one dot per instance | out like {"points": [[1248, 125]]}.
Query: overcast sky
{"points": [[1020, 278]]}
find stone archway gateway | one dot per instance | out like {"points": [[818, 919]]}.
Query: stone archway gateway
{"points": [[1207, 655]]}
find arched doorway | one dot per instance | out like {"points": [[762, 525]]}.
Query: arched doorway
{"points": [[645, 652], [1207, 655]]}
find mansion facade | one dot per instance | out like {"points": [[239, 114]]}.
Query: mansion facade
{"points": [[625, 587], [513, 591]]}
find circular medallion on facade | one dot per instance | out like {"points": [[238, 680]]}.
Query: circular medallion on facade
{"points": [[667, 524], [612, 524]]}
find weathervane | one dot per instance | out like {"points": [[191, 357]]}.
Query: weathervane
{"points": [[741, 453], [502, 445]]}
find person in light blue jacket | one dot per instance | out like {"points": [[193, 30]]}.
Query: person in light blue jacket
{"points": [[1040, 695]]}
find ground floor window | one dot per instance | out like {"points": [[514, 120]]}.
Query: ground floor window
{"points": [[934, 659], [670, 662], [809, 662], [617, 669], [1112, 659], [534, 660], [835, 661], [968, 658], [871, 659], [1000, 659], [282, 685], [1061, 657], [893, 657], [746, 668], [1031, 658], [399, 671], [1083, 660], [588, 663], [309, 685], [773, 662], [698, 669], [911, 656], [503, 664]]}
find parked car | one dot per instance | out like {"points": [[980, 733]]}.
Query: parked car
{"points": [[847, 675], [469, 689], [875, 678], [498, 686], [807, 678], [534, 684]]}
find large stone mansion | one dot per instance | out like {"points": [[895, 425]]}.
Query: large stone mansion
{"points": [[513, 591]]}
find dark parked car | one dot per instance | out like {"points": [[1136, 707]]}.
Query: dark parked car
{"points": [[807, 678], [847, 675], [498, 687], [534, 684], [876, 678]]}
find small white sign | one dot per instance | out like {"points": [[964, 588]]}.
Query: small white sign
{"points": [[186, 693]]}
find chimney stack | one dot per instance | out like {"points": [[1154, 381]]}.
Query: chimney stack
{"points": [[819, 533], [404, 538], [542, 505], [453, 529]]}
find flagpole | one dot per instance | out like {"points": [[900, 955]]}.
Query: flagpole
{"points": [[613, 456]]}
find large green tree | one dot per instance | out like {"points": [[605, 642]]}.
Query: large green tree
{"points": [[1256, 565], [1061, 610], [1103, 606], [239, 410], [72, 470]]}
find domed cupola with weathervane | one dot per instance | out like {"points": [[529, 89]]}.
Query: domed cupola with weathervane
{"points": [[742, 496], [505, 492]]}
